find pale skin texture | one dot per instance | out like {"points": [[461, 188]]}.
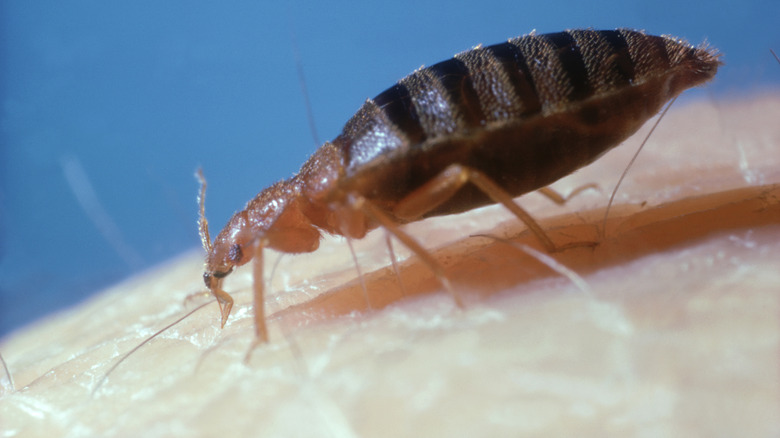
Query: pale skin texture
{"points": [[677, 332]]}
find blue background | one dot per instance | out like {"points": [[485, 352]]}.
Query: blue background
{"points": [[132, 97]]}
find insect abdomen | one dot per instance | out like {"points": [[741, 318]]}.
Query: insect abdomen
{"points": [[526, 112]]}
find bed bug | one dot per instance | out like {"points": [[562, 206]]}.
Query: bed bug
{"points": [[483, 127]]}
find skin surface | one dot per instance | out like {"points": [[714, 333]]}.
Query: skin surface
{"points": [[676, 333]]}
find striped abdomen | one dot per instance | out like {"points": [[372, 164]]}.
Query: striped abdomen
{"points": [[525, 112]]}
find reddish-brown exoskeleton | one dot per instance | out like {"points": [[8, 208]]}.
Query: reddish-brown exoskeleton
{"points": [[488, 125]]}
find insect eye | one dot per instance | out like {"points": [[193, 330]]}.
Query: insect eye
{"points": [[235, 253], [207, 279]]}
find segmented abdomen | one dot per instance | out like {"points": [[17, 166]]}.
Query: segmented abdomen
{"points": [[532, 75]]}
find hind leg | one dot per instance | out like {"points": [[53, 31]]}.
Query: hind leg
{"points": [[444, 186]]}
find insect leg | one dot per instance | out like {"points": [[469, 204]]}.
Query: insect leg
{"points": [[390, 225], [359, 272], [350, 226], [393, 260], [258, 286], [195, 295], [559, 199], [261, 332], [441, 188]]}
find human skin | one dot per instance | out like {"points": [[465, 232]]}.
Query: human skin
{"points": [[675, 333]]}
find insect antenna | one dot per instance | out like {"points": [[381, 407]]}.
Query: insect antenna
{"points": [[775, 55], [630, 163], [203, 223], [10, 386], [144, 342]]}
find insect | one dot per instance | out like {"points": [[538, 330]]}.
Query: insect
{"points": [[483, 127]]}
